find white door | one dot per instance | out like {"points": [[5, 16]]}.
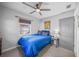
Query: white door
{"points": [[67, 33]]}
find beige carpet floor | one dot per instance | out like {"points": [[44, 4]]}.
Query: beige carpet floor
{"points": [[48, 51]]}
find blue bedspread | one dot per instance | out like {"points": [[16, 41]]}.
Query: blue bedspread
{"points": [[32, 44]]}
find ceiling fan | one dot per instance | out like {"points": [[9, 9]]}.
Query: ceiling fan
{"points": [[37, 8]]}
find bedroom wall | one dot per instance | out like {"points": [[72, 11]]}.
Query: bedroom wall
{"points": [[55, 20], [9, 27]]}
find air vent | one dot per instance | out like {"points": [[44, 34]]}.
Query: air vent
{"points": [[68, 6]]}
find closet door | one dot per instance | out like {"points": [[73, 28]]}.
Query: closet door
{"points": [[67, 33]]}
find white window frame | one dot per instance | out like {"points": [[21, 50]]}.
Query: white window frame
{"points": [[26, 25]]}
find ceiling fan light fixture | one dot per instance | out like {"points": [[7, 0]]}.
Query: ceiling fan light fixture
{"points": [[37, 10]]}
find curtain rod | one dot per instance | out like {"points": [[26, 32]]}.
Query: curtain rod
{"points": [[22, 18]]}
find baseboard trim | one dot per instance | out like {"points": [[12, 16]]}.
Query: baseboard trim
{"points": [[5, 50]]}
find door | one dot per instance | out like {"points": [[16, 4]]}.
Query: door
{"points": [[67, 33]]}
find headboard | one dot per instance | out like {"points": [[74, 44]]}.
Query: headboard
{"points": [[44, 32]]}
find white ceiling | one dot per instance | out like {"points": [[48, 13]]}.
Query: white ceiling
{"points": [[56, 8]]}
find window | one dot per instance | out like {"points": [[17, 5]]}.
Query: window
{"points": [[25, 26]]}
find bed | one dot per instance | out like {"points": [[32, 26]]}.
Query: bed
{"points": [[32, 44]]}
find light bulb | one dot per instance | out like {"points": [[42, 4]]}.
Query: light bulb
{"points": [[37, 10]]}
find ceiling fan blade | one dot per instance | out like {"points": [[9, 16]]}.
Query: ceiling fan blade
{"points": [[44, 9], [28, 5], [32, 12], [40, 13]]}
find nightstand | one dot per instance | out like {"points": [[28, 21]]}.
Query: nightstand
{"points": [[56, 42]]}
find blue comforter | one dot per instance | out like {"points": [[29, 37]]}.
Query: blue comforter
{"points": [[32, 44]]}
